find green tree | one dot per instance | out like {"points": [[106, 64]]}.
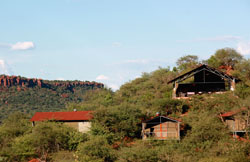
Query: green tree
{"points": [[187, 62], [228, 57], [45, 138], [242, 71], [121, 120], [96, 149], [93, 100]]}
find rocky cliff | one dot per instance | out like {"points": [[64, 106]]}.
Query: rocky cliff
{"points": [[9, 81]]}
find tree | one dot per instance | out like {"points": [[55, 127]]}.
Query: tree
{"points": [[96, 149], [93, 99], [228, 57], [122, 120], [187, 62], [242, 71]]}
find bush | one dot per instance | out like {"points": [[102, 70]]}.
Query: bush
{"points": [[122, 120], [96, 149]]}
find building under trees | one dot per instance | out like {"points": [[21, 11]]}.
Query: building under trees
{"points": [[203, 79]]}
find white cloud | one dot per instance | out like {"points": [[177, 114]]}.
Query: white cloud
{"points": [[102, 77], [114, 87], [5, 68], [22, 46], [18, 46], [116, 44], [242, 45], [243, 48], [60, 79]]}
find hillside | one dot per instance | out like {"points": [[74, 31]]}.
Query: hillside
{"points": [[29, 95], [116, 129]]}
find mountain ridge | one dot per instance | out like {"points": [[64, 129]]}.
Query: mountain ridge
{"points": [[30, 95], [8, 81]]}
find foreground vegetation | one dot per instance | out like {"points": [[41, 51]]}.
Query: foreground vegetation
{"points": [[115, 132]]}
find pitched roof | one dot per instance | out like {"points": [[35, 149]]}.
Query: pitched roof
{"points": [[164, 117], [34, 160], [158, 120], [200, 68], [63, 116], [231, 113]]}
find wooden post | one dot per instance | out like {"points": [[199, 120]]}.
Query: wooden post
{"points": [[234, 133], [33, 123], [179, 130], [222, 120], [143, 131], [232, 85], [247, 124], [174, 90]]}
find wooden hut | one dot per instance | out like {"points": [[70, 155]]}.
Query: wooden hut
{"points": [[161, 128], [237, 121], [203, 79], [79, 120]]}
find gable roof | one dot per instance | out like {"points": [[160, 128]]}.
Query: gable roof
{"points": [[158, 120], [160, 117], [63, 116], [198, 69]]}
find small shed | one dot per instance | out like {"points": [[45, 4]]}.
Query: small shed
{"points": [[238, 121], [79, 120], [203, 79], [161, 128]]}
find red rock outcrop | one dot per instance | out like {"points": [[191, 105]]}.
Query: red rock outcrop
{"points": [[8, 81]]}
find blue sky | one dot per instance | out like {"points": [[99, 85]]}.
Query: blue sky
{"points": [[114, 41]]}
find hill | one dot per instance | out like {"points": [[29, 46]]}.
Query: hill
{"points": [[29, 95], [116, 128]]}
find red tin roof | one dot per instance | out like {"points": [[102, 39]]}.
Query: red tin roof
{"points": [[34, 160], [62, 116], [231, 113]]}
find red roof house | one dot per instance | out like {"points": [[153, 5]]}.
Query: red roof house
{"points": [[232, 113], [63, 116], [237, 120], [76, 119]]}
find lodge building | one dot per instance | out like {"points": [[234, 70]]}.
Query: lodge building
{"points": [[80, 120], [237, 121], [203, 79], [161, 128]]}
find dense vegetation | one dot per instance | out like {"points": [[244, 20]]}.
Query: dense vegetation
{"points": [[51, 96], [115, 132]]}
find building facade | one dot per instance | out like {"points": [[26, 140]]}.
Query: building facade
{"points": [[80, 120], [161, 128], [203, 79]]}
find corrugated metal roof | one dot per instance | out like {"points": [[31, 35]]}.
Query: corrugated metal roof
{"points": [[231, 113], [62, 116]]}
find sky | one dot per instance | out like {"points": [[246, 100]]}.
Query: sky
{"points": [[115, 41]]}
